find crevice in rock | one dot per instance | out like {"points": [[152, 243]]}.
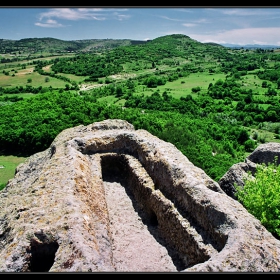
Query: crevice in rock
{"points": [[42, 255], [184, 244], [161, 175], [114, 169], [5, 230]]}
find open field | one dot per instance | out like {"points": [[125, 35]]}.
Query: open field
{"points": [[183, 86], [8, 165], [21, 77]]}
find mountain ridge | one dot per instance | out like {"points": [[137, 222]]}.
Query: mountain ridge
{"points": [[251, 46], [93, 44]]}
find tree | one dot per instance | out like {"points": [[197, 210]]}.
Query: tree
{"points": [[264, 84], [272, 115], [259, 117], [278, 83], [249, 145], [261, 196], [243, 136], [196, 89], [248, 98], [119, 91], [271, 92]]}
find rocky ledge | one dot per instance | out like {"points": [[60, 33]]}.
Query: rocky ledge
{"points": [[267, 153], [55, 214]]}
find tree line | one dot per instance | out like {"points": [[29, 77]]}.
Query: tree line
{"points": [[214, 144]]}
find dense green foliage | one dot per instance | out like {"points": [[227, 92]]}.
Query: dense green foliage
{"points": [[214, 144], [261, 196], [87, 64], [210, 126]]}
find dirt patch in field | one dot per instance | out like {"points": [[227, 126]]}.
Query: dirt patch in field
{"points": [[25, 72], [88, 87], [47, 68], [122, 76]]}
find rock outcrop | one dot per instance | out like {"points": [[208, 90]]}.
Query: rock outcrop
{"points": [[263, 154], [55, 213]]}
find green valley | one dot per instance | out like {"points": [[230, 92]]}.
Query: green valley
{"points": [[215, 104]]}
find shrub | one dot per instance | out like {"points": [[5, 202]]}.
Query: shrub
{"points": [[249, 145], [2, 186], [260, 195], [196, 89]]}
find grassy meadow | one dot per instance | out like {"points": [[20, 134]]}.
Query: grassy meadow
{"points": [[23, 77], [8, 166]]}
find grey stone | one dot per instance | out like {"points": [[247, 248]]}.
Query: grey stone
{"points": [[264, 154], [54, 214]]}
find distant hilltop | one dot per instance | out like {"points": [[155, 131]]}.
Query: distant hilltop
{"points": [[253, 46], [52, 46]]}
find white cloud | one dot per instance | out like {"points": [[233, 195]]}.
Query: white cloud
{"points": [[249, 11], [195, 22], [122, 17], [49, 23], [73, 14], [89, 9], [189, 24], [265, 36], [46, 18], [84, 13], [171, 19]]}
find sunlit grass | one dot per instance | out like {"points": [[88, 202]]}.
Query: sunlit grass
{"points": [[8, 166], [27, 76]]}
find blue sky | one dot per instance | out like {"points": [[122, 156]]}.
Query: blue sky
{"points": [[230, 25]]}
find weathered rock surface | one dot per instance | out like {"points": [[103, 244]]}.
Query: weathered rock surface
{"points": [[106, 197], [263, 154]]}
